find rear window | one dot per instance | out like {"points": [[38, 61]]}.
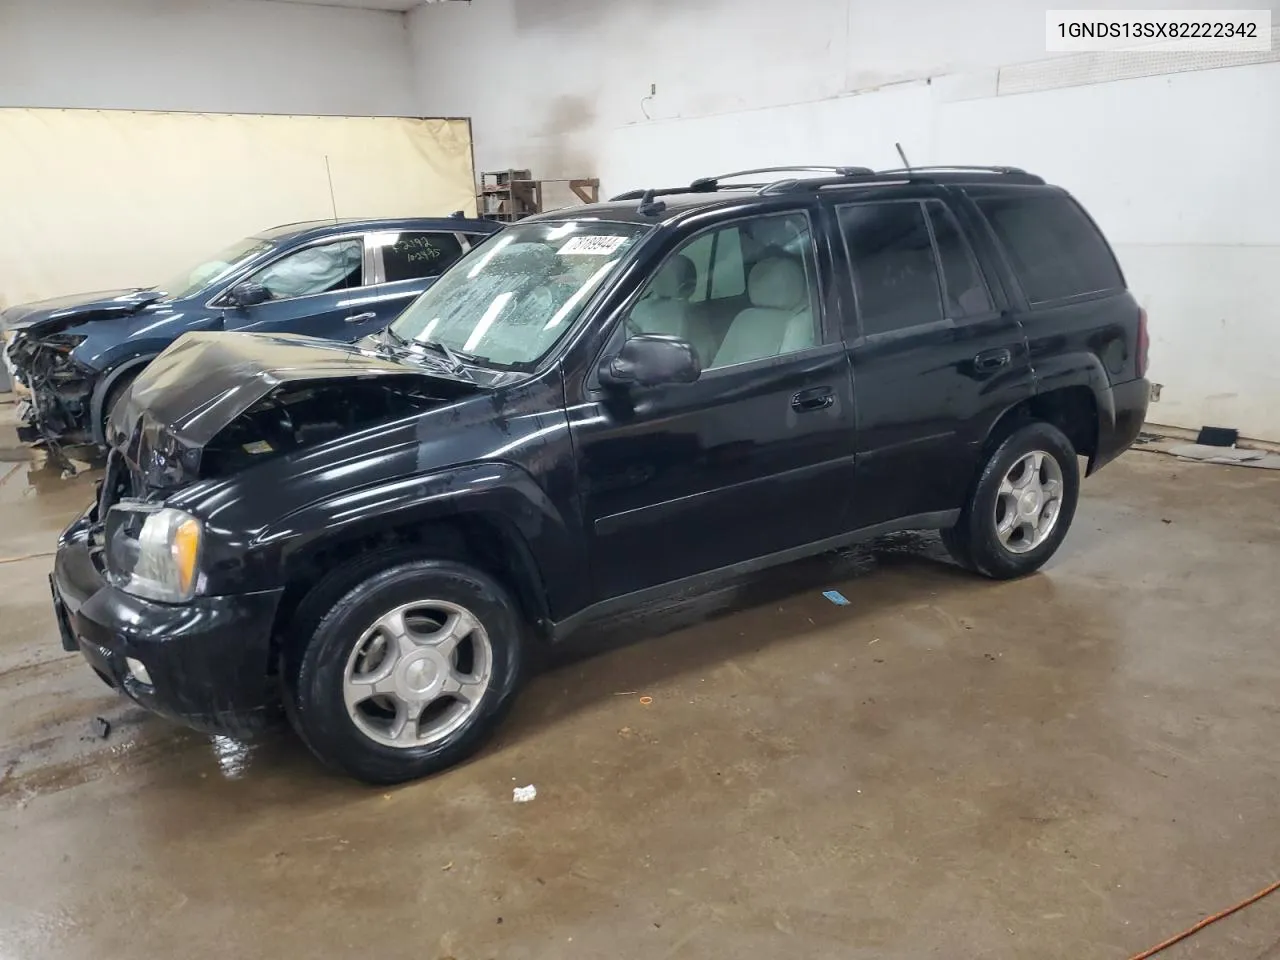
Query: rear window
{"points": [[1055, 249]]}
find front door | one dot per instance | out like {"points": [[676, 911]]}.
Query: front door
{"points": [[756, 456], [935, 358], [319, 290]]}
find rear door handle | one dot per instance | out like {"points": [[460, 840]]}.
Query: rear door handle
{"points": [[989, 360], [815, 398], [360, 317]]}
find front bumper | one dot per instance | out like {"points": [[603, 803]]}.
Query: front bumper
{"points": [[209, 661]]}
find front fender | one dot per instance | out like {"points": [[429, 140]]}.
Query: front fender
{"points": [[497, 489], [102, 389]]}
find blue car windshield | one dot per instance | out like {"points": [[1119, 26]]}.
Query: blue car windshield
{"points": [[509, 300], [215, 268]]}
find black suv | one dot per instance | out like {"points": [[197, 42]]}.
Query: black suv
{"points": [[591, 408]]}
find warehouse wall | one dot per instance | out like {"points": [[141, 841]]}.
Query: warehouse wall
{"points": [[1173, 164], [228, 56]]}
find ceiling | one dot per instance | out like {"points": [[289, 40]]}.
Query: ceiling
{"points": [[367, 4]]}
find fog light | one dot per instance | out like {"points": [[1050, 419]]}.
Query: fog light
{"points": [[137, 670]]}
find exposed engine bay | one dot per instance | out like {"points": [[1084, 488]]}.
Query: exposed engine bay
{"points": [[61, 389], [298, 416], [147, 462]]}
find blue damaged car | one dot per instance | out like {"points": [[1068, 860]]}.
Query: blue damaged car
{"points": [[340, 280]]}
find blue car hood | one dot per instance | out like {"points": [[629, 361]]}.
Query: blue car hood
{"points": [[45, 317]]}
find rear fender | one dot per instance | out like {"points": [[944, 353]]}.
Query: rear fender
{"points": [[1085, 370]]}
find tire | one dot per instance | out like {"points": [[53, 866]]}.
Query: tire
{"points": [[976, 541], [347, 648]]}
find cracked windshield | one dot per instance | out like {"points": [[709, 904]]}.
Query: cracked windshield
{"points": [[508, 301]]}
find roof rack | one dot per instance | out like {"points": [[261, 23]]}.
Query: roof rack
{"points": [[935, 174], [839, 176], [711, 183], [955, 168]]}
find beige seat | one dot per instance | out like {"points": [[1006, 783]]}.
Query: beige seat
{"points": [[665, 308], [779, 320]]}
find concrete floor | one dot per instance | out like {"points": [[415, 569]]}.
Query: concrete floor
{"points": [[1076, 765]]}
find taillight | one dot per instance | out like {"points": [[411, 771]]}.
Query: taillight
{"points": [[1144, 343]]}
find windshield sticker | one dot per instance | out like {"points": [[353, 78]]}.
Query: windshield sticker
{"points": [[597, 246]]}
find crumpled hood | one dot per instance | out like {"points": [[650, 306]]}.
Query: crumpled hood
{"points": [[49, 316], [205, 380]]}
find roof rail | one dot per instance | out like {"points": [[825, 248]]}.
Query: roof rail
{"points": [[710, 183], [954, 168], [837, 176]]}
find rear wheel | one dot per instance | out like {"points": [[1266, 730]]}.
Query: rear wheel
{"points": [[409, 672], [1021, 506]]}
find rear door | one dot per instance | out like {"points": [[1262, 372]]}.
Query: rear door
{"points": [[407, 262], [936, 355], [1067, 284], [320, 290]]}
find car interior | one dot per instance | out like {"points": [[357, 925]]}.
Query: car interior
{"points": [[743, 293]]}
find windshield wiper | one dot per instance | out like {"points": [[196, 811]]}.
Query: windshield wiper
{"points": [[455, 360]]}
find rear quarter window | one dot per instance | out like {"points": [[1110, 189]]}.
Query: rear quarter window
{"points": [[1054, 248]]}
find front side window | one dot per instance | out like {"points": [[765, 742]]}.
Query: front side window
{"points": [[414, 256], [894, 270], [221, 265], [744, 292], [317, 269], [510, 300]]}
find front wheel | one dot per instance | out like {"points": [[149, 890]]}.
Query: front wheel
{"points": [[1021, 506], [409, 672]]}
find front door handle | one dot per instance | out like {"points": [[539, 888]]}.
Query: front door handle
{"points": [[360, 317], [815, 398], [989, 360]]}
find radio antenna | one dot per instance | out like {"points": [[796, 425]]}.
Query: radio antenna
{"points": [[333, 200], [905, 162]]}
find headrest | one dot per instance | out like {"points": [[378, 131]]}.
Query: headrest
{"points": [[676, 280], [777, 284]]}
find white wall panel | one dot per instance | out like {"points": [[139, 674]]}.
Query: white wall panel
{"points": [[97, 199], [1175, 166]]}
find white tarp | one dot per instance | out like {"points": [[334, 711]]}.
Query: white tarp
{"points": [[104, 199]]}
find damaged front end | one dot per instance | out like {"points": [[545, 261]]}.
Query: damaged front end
{"points": [[214, 405], [60, 400]]}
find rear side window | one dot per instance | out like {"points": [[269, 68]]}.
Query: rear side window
{"points": [[894, 269], [412, 256], [967, 294], [1056, 252]]}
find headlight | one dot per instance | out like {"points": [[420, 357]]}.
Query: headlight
{"points": [[154, 551]]}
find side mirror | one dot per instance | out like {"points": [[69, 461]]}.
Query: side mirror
{"points": [[248, 294], [649, 360]]}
